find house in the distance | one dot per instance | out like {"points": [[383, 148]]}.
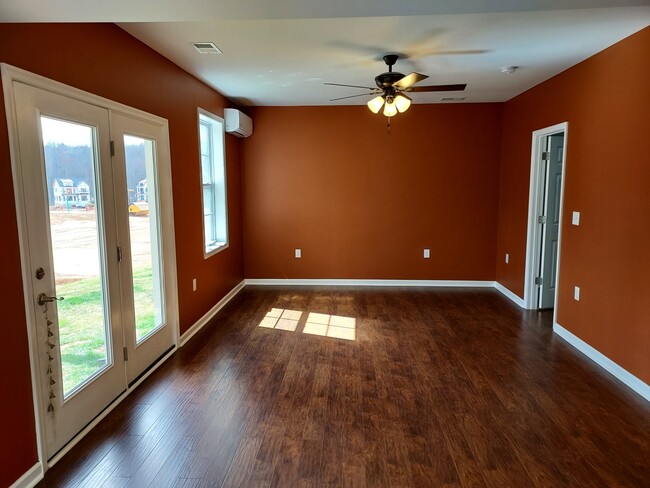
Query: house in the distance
{"points": [[141, 191], [72, 193]]}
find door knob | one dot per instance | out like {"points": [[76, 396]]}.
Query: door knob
{"points": [[43, 299]]}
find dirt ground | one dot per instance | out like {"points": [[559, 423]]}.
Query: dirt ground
{"points": [[75, 244]]}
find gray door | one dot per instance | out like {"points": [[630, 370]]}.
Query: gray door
{"points": [[553, 186]]}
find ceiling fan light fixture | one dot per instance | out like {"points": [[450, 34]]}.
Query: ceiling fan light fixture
{"points": [[390, 109], [402, 102], [376, 103]]}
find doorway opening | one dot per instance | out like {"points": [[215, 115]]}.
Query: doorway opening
{"points": [[547, 172]]}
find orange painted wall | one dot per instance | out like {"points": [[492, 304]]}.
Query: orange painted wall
{"points": [[606, 100], [105, 60], [363, 203]]}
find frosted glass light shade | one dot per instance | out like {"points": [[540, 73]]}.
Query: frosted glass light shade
{"points": [[390, 109], [402, 102], [375, 104]]}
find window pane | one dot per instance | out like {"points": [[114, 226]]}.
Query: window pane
{"points": [[205, 138], [206, 168], [208, 200], [71, 165], [213, 178], [144, 232], [209, 230]]}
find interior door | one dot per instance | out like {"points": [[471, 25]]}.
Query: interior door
{"points": [[67, 183], [550, 235], [139, 146]]}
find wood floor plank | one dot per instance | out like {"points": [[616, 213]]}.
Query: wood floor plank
{"points": [[437, 388]]}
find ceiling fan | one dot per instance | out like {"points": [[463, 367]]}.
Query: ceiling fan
{"points": [[392, 87]]}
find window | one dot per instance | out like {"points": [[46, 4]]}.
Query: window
{"points": [[213, 181]]}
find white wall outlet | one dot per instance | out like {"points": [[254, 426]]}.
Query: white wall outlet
{"points": [[507, 258], [298, 253], [427, 253], [193, 284], [576, 293], [575, 218]]}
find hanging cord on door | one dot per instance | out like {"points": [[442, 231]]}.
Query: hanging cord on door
{"points": [[50, 359]]}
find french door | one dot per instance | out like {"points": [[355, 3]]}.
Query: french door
{"points": [[93, 240]]}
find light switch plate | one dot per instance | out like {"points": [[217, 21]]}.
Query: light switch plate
{"points": [[575, 219], [193, 284], [427, 253], [507, 258], [576, 293], [298, 253]]}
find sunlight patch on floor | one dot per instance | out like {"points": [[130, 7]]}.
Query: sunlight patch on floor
{"points": [[320, 324], [330, 326], [278, 318]]}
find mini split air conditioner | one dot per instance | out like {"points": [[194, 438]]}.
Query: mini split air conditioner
{"points": [[238, 123]]}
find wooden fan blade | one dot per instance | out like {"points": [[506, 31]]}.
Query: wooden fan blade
{"points": [[409, 80], [350, 86], [437, 88], [351, 96]]}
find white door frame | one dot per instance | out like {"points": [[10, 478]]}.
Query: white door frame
{"points": [[9, 75], [535, 203]]}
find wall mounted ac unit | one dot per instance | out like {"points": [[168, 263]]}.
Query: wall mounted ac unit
{"points": [[238, 123]]}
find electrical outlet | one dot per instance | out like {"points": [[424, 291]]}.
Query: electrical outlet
{"points": [[298, 253], [576, 293], [507, 258], [193, 284], [427, 253]]}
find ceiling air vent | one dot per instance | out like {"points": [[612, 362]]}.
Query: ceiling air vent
{"points": [[207, 48], [452, 99]]}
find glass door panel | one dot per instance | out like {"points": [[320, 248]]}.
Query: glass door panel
{"points": [[65, 193], [139, 155], [70, 172], [143, 207]]}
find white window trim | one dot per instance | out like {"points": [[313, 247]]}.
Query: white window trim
{"points": [[217, 247]]}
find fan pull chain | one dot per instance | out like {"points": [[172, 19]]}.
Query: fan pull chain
{"points": [[388, 125], [50, 359]]}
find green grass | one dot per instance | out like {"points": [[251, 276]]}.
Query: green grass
{"points": [[81, 324]]}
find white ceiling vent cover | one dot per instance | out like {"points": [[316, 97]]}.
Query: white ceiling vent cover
{"points": [[452, 99], [207, 48], [238, 123]]}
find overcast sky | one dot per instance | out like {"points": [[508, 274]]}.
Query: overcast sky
{"points": [[71, 134]]}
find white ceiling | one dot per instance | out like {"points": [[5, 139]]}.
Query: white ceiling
{"points": [[280, 52]]}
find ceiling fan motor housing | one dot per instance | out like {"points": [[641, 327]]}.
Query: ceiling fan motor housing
{"points": [[386, 80]]}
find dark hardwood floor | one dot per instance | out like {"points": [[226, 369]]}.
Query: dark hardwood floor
{"points": [[440, 387]]}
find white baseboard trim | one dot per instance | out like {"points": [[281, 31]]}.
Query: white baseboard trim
{"points": [[30, 478], [604, 362], [189, 333], [508, 294], [347, 282]]}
